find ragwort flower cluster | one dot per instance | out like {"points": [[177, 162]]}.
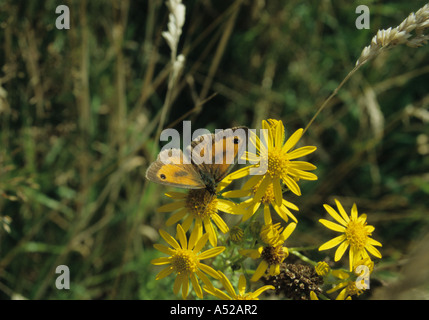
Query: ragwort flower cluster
{"points": [[198, 212], [253, 245]]}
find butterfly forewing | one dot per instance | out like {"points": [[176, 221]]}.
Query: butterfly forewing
{"points": [[176, 172], [224, 148]]}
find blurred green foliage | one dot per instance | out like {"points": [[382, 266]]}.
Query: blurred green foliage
{"points": [[79, 110]]}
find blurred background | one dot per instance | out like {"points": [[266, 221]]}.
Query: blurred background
{"points": [[80, 109]]}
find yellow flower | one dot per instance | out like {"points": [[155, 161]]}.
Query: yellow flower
{"points": [[313, 296], [232, 295], [201, 206], [356, 234], [322, 268], [281, 165], [185, 260], [349, 282], [236, 234], [273, 253], [249, 207]]}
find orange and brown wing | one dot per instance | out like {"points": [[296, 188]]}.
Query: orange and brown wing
{"points": [[174, 172], [224, 148]]}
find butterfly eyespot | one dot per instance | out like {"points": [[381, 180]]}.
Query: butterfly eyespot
{"points": [[162, 176], [236, 140]]}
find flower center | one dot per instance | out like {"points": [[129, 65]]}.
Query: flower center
{"points": [[273, 255], [201, 203], [356, 234], [278, 163], [184, 261]]}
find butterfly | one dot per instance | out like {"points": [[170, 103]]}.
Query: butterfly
{"points": [[206, 162]]}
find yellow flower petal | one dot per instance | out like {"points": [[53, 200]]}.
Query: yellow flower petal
{"points": [[290, 205], [332, 243], [209, 270], [178, 283], [292, 141], [284, 212], [210, 253], [369, 229], [176, 195], [251, 253], [217, 293], [260, 270], [185, 287], [304, 175], [334, 214], [374, 242], [186, 224], [242, 285], [210, 230], [223, 184], [236, 194], [342, 295], [201, 242], [161, 261], [266, 136], [175, 217], [182, 237], [250, 210], [354, 214], [262, 188], [225, 205], [313, 296], [196, 286], [374, 251], [163, 249], [278, 192], [342, 211], [205, 279], [337, 287], [240, 173], [279, 134], [252, 158], [288, 230], [169, 239], [354, 255], [291, 184], [171, 206], [258, 292], [274, 269], [223, 227], [227, 285], [164, 273], [362, 218], [196, 234], [303, 165], [267, 215], [340, 274], [301, 152], [340, 251], [332, 225]]}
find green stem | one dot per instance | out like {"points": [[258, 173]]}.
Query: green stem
{"points": [[333, 94], [302, 257]]}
